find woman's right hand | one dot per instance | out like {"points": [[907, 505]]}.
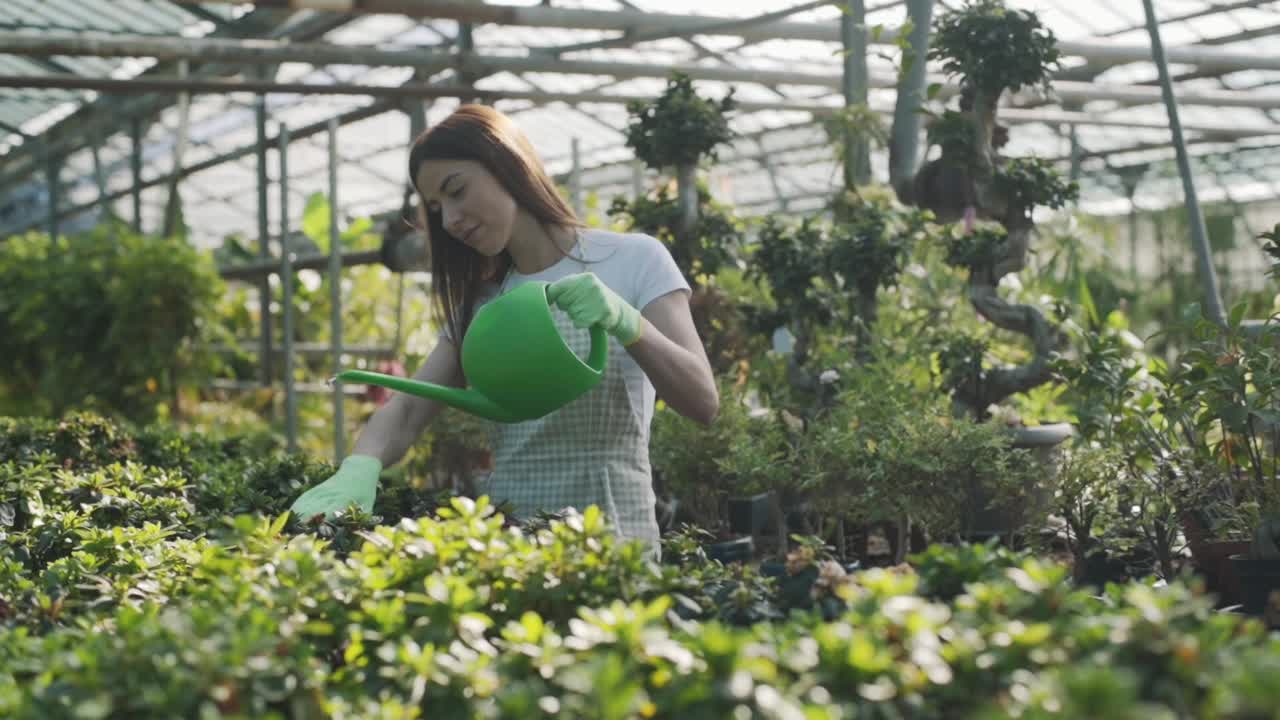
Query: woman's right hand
{"points": [[355, 482]]}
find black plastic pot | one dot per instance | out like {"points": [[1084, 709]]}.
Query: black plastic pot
{"points": [[751, 515], [736, 550], [794, 591], [1258, 579]]}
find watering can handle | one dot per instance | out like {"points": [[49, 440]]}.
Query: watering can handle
{"points": [[599, 354]]}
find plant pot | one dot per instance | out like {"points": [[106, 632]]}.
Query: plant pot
{"points": [[986, 519], [1259, 579], [751, 515], [1213, 559], [796, 591], [730, 551]]}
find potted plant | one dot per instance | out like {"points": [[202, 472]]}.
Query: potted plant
{"points": [[676, 132], [1259, 572], [992, 50]]}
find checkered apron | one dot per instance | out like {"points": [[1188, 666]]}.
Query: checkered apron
{"points": [[593, 451]]}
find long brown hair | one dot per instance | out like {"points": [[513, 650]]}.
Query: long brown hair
{"points": [[484, 135]]}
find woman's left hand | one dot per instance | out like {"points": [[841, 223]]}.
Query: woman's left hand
{"points": [[588, 301]]}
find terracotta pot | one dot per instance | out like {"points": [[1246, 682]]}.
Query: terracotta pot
{"points": [[1213, 559]]}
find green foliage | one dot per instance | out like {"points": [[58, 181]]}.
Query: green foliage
{"points": [[952, 131], [1029, 182], [106, 320], [1111, 387], [890, 448], [153, 604], [1271, 246], [789, 258], [704, 466], [978, 250], [994, 48], [714, 243], [679, 127], [945, 570], [814, 268], [1086, 496], [1222, 396], [871, 240]]}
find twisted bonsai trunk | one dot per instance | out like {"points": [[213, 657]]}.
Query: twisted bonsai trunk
{"points": [[987, 202]]}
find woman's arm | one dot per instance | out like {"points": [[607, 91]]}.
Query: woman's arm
{"points": [[671, 354], [395, 426]]}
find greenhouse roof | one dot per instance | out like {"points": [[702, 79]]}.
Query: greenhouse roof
{"points": [[73, 72]]}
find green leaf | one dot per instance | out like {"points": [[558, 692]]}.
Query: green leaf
{"points": [[933, 91], [356, 230], [1269, 417], [278, 524], [1237, 315], [591, 519], [1086, 301], [315, 220]]}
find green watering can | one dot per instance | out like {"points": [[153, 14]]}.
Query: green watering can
{"points": [[515, 360]]}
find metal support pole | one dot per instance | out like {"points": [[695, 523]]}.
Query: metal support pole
{"points": [[335, 296], [637, 180], [173, 205], [1075, 153], [135, 169], [853, 33], [1130, 181], [395, 343], [99, 177], [1199, 236], [265, 332], [575, 179], [286, 280], [51, 172]]}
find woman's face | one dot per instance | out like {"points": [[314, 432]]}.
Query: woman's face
{"points": [[474, 207]]}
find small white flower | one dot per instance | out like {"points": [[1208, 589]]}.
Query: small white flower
{"points": [[828, 376]]}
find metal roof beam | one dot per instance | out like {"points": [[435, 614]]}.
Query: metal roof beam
{"points": [[99, 116], [1205, 12], [434, 60], [419, 90], [538, 16]]}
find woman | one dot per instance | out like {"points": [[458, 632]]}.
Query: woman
{"points": [[496, 220]]}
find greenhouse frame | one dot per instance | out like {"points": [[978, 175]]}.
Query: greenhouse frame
{"points": [[971, 407]]}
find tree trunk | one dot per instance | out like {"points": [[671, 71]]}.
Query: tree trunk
{"points": [[904, 145], [687, 197], [853, 32]]}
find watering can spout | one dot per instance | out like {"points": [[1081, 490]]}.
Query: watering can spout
{"points": [[467, 400]]}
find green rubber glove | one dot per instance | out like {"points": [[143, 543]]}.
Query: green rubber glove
{"points": [[588, 301], [355, 482]]}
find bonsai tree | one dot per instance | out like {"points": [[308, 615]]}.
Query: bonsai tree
{"points": [[871, 239], [677, 131], [992, 49], [825, 275]]}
